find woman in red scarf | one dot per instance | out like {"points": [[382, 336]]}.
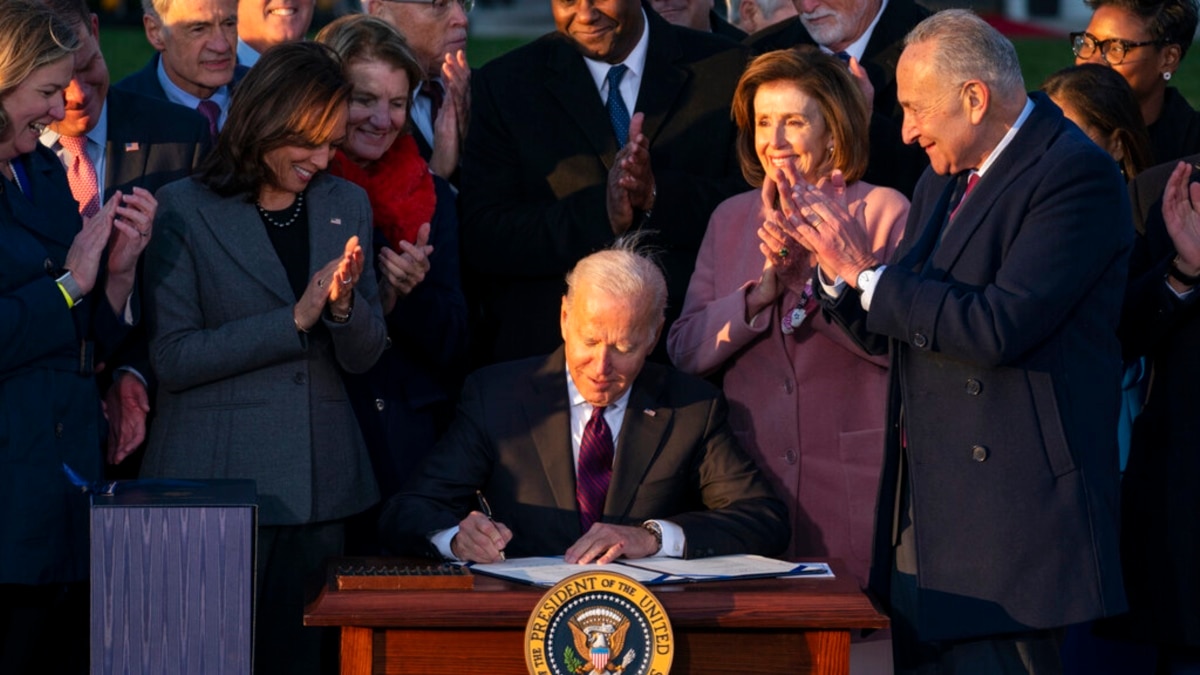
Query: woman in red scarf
{"points": [[405, 402]]}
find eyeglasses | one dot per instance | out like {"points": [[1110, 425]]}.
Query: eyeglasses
{"points": [[442, 6], [1112, 50]]}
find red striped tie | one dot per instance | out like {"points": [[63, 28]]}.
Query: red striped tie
{"points": [[595, 469], [81, 174]]}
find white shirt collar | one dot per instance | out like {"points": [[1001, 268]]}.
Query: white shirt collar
{"points": [[1012, 132], [859, 46], [635, 62]]}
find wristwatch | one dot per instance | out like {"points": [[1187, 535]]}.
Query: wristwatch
{"points": [[1179, 275], [867, 276], [656, 530], [70, 288]]}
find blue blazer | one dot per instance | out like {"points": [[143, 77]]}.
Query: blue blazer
{"points": [[49, 410], [1006, 361]]}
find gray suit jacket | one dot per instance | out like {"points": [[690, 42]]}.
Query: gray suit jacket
{"points": [[242, 394]]}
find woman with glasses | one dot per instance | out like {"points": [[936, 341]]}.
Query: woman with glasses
{"points": [[1145, 42], [406, 401]]}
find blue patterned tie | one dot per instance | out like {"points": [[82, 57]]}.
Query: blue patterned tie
{"points": [[618, 114]]}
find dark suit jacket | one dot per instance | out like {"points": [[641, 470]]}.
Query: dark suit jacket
{"points": [[171, 142], [536, 165], [676, 459], [892, 163], [242, 394], [145, 81], [1146, 192], [723, 28], [1006, 363], [1158, 545], [49, 411]]}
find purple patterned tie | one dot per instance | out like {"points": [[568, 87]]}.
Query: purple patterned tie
{"points": [[595, 469], [212, 112], [432, 89]]}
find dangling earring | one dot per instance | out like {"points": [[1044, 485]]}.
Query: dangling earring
{"points": [[1167, 76]]}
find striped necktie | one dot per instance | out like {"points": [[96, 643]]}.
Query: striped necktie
{"points": [[595, 469]]}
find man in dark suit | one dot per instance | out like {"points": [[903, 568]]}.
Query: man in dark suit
{"points": [[143, 143], [546, 179], [590, 452], [997, 517], [437, 34], [196, 64], [874, 36]]}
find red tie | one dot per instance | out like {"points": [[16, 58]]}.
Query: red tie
{"points": [[81, 174], [595, 469], [971, 181]]}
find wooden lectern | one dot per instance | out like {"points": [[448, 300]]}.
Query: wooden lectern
{"points": [[745, 627]]}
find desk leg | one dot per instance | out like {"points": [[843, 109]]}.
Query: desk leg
{"points": [[357, 650]]}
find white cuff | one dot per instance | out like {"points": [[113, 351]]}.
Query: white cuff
{"points": [[673, 541], [1182, 296], [868, 287], [441, 541], [130, 370], [834, 289]]}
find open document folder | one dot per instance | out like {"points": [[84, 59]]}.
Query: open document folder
{"points": [[548, 571]]}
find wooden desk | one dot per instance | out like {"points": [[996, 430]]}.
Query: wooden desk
{"points": [[733, 627]]}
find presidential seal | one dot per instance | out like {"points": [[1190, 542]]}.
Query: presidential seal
{"points": [[596, 623]]}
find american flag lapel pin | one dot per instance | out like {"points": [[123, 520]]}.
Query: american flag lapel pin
{"points": [[335, 221], [132, 147], [649, 412]]}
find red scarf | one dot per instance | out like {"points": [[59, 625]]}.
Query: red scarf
{"points": [[399, 185]]}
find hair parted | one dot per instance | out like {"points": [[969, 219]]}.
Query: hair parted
{"points": [[826, 79], [33, 37], [361, 37], [1103, 98], [625, 270], [970, 49], [293, 96]]}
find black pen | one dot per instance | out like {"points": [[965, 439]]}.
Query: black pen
{"points": [[486, 509]]}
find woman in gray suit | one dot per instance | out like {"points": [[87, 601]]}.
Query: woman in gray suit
{"points": [[260, 297]]}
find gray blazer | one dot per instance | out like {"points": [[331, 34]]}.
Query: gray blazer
{"points": [[243, 394]]}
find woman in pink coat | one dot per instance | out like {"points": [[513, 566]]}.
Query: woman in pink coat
{"points": [[806, 403]]}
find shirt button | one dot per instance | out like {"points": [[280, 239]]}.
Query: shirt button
{"points": [[789, 386], [979, 453], [791, 456], [300, 378], [974, 387], [919, 340], [379, 404]]}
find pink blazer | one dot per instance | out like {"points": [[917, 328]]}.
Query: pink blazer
{"points": [[810, 406]]}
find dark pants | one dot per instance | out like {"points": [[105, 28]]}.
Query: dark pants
{"points": [[290, 569], [1029, 653]]}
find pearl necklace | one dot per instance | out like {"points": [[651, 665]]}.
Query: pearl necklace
{"points": [[295, 208]]}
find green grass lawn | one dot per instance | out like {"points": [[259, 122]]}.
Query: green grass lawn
{"points": [[126, 50]]}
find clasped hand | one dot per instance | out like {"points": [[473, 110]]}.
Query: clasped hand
{"points": [[824, 225], [332, 285], [630, 180]]}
